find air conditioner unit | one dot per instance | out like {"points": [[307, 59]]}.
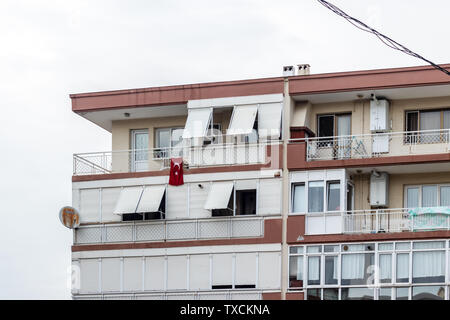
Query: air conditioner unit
{"points": [[379, 189]]}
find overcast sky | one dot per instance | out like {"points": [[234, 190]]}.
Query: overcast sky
{"points": [[49, 49]]}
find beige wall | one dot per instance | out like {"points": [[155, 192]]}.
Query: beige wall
{"points": [[305, 113], [397, 183]]}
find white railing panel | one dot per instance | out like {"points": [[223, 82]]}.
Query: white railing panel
{"points": [[118, 233], [213, 229], [88, 235], [247, 228], [150, 232], [181, 230]]}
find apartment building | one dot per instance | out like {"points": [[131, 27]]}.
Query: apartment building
{"points": [[327, 186]]}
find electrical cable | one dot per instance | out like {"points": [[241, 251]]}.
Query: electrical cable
{"points": [[384, 39]]}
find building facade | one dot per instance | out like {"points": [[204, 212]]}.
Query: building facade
{"points": [[327, 186]]}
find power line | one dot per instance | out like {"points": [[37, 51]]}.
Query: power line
{"points": [[384, 39]]}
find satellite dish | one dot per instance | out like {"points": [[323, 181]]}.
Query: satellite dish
{"points": [[69, 217]]}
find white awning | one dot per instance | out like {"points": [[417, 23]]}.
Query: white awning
{"points": [[197, 123], [128, 200], [243, 119], [269, 120], [219, 195], [151, 199]]}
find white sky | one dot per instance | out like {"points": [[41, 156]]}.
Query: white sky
{"points": [[49, 49]]}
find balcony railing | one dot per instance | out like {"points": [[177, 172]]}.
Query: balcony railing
{"points": [[171, 230], [377, 145], [159, 158], [374, 221]]}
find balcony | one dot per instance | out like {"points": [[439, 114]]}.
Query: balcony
{"points": [[375, 221], [378, 145], [370, 149], [156, 159], [171, 230]]}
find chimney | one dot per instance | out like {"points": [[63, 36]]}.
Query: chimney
{"points": [[288, 71], [303, 69]]}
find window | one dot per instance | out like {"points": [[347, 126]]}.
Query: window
{"points": [[296, 272], [167, 139], [428, 266], [427, 196], [334, 125], [427, 120], [314, 270], [245, 202], [298, 197], [331, 269], [357, 294], [355, 267], [385, 265], [403, 267], [428, 293], [315, 196], [228, 198], [407, 269], [137, 203], [334, 196], [318, 196], [385, 294]]}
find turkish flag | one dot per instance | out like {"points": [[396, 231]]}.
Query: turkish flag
{"points": [[176, 172]]}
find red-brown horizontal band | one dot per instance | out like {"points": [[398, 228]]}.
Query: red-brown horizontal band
{"points": [[272, 165], [272, 234], [271, 295], [368, 80], [295, 295], [296, 160], [170, 95]]}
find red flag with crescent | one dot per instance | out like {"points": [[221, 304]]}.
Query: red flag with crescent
{"points": [[176, 172]]}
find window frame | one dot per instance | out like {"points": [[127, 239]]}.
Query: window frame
{"points": [[295, 251], [420, 186], [335, 122]]}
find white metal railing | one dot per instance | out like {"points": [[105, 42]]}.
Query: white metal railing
{"points": [[374, 221], [212, 154], [171, 230], [377, 145], [250, 294]]}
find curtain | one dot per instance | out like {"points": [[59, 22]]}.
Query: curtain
{"points": [[353, 266], [402, 266], [412, 197], [315, 196], [314, 268], [446, 119], [429, 196], [385, 266], [430, 120], [299, 198], [445, 196], [428, 264], [299, 268]]}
